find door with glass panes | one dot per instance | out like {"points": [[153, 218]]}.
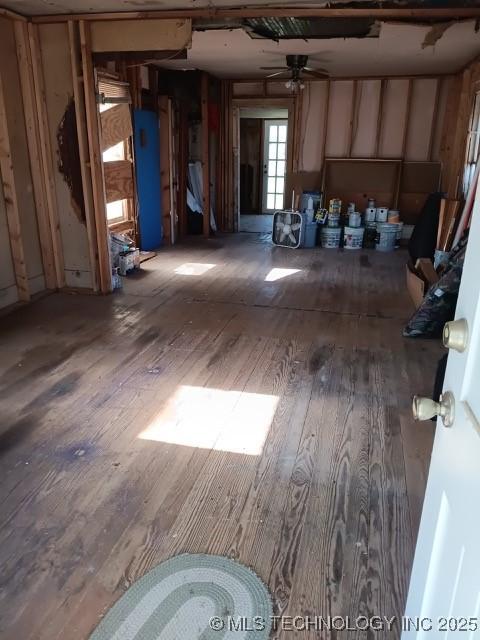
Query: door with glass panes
{"points": [[274, 164]]}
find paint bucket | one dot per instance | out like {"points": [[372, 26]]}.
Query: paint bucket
{"points": [[382, 214], [399, 234], [371, 203], [310, 237], [393, 215], [354, 219], [335, 206], [370, 215], [386, 237], [333, 219], [330, 237], [351, 207], [353, 237], [370, 236]]}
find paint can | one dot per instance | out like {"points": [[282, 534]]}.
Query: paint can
{"points": [[333, 219], [370, 215], [353, 237], [370, 236], [335, 206], [371, 203], [351, 208], [386, 237], [399, 234], [354, 219], [330, 237], [393, 215], [382, 214]]}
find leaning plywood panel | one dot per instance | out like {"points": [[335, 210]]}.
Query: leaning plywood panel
{"points": [[19, 165], [116, 125], [57, 72], [8, 286], [118, 176], [141, 35]]}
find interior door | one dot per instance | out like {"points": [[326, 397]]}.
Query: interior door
{"points": [[274, 164], [444, 595]]}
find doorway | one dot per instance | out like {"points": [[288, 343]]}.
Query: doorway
{"points": [[263, 153]]}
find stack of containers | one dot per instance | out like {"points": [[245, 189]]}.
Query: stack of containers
{"points": [[330, 235], [353, 232]]}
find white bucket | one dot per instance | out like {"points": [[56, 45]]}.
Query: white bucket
{"points": [[399, 232], [353, 237], [370, 214], [330, 237], [386, 237], [333, 219], [382, 214], [354, 219]]}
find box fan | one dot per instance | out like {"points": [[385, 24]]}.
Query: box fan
{"points": [[287, 229]]}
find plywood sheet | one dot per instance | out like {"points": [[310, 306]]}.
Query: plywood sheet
{"points": [[141, 35], [116, 125], [118, 180]]}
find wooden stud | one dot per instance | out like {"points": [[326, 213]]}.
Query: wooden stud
{"points": [[381, 99], [46, 153], [443, 13], [325, 123], [12, 15], [406, 123], [96, 169], [353, 115], [82, 134], [205, 154], [25, 67], [438, 91], [165, 164], [182, 168], [11, 203]]}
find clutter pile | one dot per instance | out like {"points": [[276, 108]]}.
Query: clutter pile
{"points": [[124, 256]]}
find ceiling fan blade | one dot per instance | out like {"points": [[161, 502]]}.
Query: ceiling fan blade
{"points": [[316, 69], [279, 73], [273, 68], [315, 73]]}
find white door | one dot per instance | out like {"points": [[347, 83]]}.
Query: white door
{"points": [[274, 164], [444, 594]]}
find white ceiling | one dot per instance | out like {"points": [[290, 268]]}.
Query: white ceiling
{"points": [[398, 50]]}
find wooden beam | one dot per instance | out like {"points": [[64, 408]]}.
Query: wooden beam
{"points": [[353, 114], [378, 134], [182, 168], [406, 124], [438, 91], [96, 169], [325, 123], [79, 97], [165, 164], [25, 67], [11, 203], [439, 13], [205, 154], [46, 153], [12, 15]]}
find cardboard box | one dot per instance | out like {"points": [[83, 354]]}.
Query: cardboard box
{"points": [[419, 279]]}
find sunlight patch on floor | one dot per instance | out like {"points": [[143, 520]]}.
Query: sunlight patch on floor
{"points": [[277, 274], [194, 268], [207, 418]]}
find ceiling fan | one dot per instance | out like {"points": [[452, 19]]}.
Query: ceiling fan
{"points": [[296, 66]]}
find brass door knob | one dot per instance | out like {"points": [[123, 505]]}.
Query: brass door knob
{"points": [[455, 335], [426, 408]]}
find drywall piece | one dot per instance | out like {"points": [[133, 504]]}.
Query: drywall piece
{"points": [[141, 35], [339, 114], [365, 118], [393, 121], [57, 72], [421, 118], [312, 131]]}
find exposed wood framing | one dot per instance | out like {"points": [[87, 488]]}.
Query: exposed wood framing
{"points": [[11, 203], [165, 113], [47, 165], [325, 124], [297, 132], [381, 98], [406, 124], [443, 13], [25, 68], [353, 116], [438, 92], [12, 15], [204, 82], [75, 58], [182, 169], [96, 169]]}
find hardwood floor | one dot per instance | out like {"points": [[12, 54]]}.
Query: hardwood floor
{"points": [[260, 414]]}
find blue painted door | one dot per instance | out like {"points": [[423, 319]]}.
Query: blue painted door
{"points": [[147, 170]]}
